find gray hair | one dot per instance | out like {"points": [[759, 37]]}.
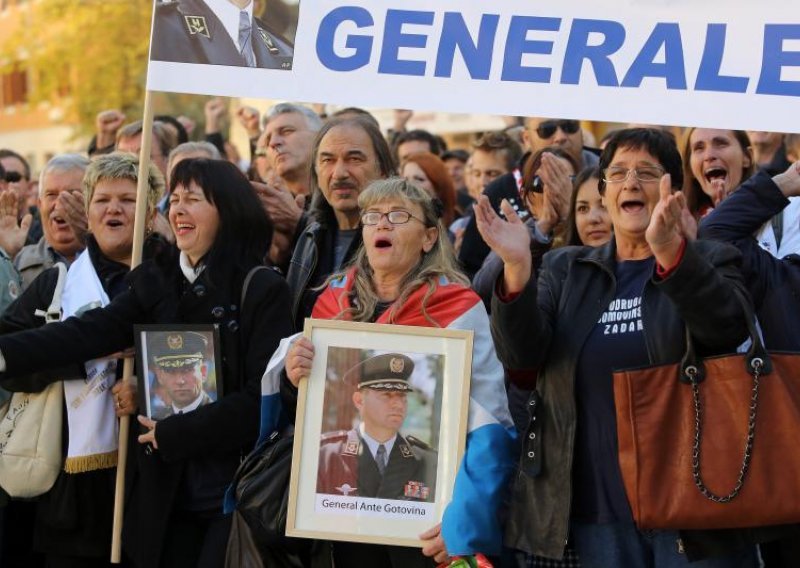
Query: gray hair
{"points": [[122, 165], [313, 121], [63, 163], [207, 148]]}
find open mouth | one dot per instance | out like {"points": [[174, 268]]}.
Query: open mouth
{"points": [[383, 243], [632, 206], [59, 222], [183, 228], [715, 173], [114, 223]]}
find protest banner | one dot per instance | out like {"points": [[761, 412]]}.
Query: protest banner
{"points": [[717, 64], [712, 64]]}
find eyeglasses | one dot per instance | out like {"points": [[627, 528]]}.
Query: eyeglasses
{"points": [[547, 128], [396, 217], [13, 177], [647, 174]]}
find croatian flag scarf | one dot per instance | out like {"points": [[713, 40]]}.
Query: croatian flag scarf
{"points": [[470, 523]]}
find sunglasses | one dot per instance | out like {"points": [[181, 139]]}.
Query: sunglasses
{"points": [[13, 177], [547, 128]]}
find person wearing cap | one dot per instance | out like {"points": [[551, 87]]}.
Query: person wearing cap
{"points": [[374, 459], [180, 368]]}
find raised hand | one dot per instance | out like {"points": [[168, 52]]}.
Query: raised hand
{"points": [[73, 207], [510, 240], [249, 119], [664, 234], [555, 174], [107, 123], [789, 181], [13, 231], [214, 109]]}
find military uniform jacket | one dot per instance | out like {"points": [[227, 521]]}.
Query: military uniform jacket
{"points": [[188, 31], [346, 467], [169, 411]]}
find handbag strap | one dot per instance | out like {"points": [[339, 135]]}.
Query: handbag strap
{"points": [[246, 284], [53, 312], [758, 363], [692, 369]]}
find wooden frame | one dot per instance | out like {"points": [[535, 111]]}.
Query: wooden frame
{"points": [[176, 337], [329, 465]]}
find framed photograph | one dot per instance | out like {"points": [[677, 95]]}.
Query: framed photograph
{"points": [[178, 370], [380, 431]]}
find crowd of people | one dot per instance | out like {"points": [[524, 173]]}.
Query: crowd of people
{"points": [[530, 238]]}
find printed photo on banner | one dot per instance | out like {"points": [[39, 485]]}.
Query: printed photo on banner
{"points": [[239, 33], [177, 368], [380, 431]]}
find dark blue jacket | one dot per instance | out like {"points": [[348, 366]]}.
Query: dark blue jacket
{"points": [[774, 284], [188, 31]]}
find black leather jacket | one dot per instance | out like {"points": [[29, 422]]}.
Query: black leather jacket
{"points": [[312, 263], [546, 326]]}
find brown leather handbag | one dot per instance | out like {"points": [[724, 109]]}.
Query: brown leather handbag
{"points": [[713, 443]]}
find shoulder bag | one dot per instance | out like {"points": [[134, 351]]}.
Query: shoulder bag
{"points": [[711, 444], [31, 454]]}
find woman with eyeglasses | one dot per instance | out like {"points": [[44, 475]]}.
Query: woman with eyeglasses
{"points": [[405, 273], [591, 311]]}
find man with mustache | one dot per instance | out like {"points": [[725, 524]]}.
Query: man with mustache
{"points": [[348, 154], [374, 459]]}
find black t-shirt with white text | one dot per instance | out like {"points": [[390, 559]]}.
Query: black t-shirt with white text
{"points": [[616, 342]]}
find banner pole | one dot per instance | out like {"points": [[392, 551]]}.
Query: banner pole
{"points": [[127, 370]]}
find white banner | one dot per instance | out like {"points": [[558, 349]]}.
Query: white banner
{"points": [[713, 63]]}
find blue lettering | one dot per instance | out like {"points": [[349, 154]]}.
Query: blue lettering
{"points": [[708, 77], [361, 45], [394, 39], [578, 49], [477, 55], [775, 58], [673, 69], [517, 45]]}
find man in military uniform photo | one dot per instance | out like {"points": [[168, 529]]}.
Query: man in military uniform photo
{"points": [[375, 459], [181, 371], [217, 32]]}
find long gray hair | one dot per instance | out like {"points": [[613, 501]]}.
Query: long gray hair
{"points": [[439, 262]]}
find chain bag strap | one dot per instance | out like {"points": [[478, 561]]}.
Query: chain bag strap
{"points": [[693, 372]]}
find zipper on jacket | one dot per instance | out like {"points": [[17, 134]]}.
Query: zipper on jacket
{"points": [[299, 296]]}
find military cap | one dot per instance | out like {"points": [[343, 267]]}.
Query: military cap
{"points": [[390, 371], [171, 350]]}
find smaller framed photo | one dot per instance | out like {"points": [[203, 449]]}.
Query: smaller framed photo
{"points": [[179, 368]]}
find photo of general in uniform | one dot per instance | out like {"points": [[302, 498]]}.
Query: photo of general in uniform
{"points": [[181, 375], [224, 32], [387, 451]]}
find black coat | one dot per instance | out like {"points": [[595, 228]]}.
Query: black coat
{"points": [[773, 283], [74, 517], [545, 327], [188, 31], [207, 442]]}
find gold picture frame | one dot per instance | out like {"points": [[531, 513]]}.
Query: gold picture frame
{"points": [[336, 491]]}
